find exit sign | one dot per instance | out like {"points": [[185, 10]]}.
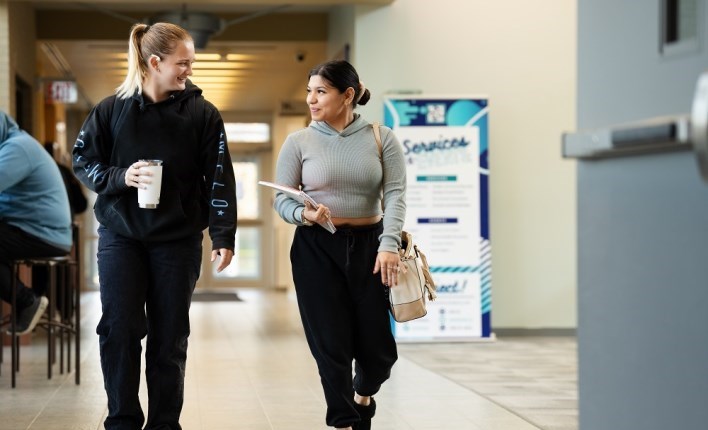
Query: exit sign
{"points": [[61, 92]]}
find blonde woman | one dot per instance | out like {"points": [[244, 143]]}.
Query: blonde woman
{"points": [[149, 259]]}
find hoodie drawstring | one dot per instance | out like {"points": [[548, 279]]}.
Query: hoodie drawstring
{"points": [[351, 241]]}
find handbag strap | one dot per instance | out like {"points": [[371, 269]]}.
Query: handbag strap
{"points": [[429, 283], [377, 135], [406, 237], [407, 249]]}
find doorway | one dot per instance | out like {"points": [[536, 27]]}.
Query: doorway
{"points": [[250, 150]]}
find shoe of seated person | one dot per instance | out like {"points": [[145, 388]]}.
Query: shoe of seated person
{"points": [[28, 318]]}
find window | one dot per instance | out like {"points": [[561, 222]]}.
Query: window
{"points": [[246, 263], [242, 132], [246, 171], [247, 259], [680, 27]]}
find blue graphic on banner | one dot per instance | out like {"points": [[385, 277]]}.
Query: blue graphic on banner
{"points": [[437, 220], [433, 158]]}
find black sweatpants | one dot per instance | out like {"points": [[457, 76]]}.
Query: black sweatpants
{"points": [[344, 312]]}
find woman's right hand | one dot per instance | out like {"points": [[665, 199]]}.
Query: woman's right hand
{"points": [[319, 214], [134, 177]]}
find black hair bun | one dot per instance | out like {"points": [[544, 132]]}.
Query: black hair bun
{"points": [[364, 97]]}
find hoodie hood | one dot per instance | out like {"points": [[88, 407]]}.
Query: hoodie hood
{"points": [[8, 127], [352, 128], [190, 90]]}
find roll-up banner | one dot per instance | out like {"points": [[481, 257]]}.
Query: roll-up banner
{"points": [[445, 142]]}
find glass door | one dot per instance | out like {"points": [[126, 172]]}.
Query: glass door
{"points": [[250, 155]]}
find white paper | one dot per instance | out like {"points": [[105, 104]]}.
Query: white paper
{"points": [[301, 197]]}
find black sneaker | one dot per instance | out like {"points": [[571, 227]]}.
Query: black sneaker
{"points": [[366, 413], [28, 318]]}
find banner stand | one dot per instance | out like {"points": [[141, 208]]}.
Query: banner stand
{"points": [[445, 143]]}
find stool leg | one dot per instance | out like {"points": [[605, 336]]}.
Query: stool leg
{"points": [[14, 361], [66, 313], [61, 296], [2, 343], [77, 321], [51, 346], [69, 311]]}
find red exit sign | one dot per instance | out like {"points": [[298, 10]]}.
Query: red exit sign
{"points": [[61, 92]]}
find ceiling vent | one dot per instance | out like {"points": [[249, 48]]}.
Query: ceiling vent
{"points": [[200, 25], [293, 108]]}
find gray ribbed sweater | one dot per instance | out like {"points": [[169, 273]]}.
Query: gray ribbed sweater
{"points": [[343, 172]]}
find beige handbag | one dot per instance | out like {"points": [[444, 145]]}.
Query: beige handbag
{"points": [[408, 298]]}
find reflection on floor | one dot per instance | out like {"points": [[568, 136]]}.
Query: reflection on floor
{"points": [[249, 368]]}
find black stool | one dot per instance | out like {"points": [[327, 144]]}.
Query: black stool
{"points": [[68, 322]]}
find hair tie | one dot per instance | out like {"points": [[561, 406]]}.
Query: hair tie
{"points": [[362, 88]]}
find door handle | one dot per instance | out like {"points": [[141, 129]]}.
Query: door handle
{"points": [[699, 125], [660, 134]]}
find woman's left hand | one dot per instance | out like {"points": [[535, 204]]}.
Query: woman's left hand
{"points": [[226, 256], [389, 264]]}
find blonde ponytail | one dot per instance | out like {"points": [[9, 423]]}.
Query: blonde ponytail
{"points": [[145, 40], [137, 67]]}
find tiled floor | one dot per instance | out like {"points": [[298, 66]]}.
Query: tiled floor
{"points": [[249, 368]]}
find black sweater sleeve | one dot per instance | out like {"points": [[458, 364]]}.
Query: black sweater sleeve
{"points": [[92, 152], [219, 174]]}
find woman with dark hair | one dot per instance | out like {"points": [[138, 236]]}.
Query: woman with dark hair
{"points": [[149, 259], [341, 278]]}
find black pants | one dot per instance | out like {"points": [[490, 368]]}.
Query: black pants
{"points": [[146, 289], [344, 312], [14, 244]]}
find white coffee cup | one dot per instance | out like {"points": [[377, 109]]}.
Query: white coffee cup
{"points": [[149, 197]]}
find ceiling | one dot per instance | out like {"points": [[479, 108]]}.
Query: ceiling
{"points": [[256, 60], [235, 76]]}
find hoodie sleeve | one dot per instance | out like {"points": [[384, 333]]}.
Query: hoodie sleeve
{"points": [[394, 192], [92, 151], [219, 175], [288, 171]]}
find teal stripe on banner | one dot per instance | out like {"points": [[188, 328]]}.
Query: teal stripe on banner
{"points": [[436, 178], [486, 297], [453, 269], [485, 277]]}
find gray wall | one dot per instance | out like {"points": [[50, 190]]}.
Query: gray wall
{"points": [[621, 75], [642, 238]]}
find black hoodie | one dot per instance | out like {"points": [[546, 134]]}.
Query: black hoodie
{"points": [[198, 186]]}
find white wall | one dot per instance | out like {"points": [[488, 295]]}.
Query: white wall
{"points": [[522, 55]]}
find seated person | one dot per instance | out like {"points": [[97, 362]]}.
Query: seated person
{"points": [[35, 220], [77, 200], [78, 205]]}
